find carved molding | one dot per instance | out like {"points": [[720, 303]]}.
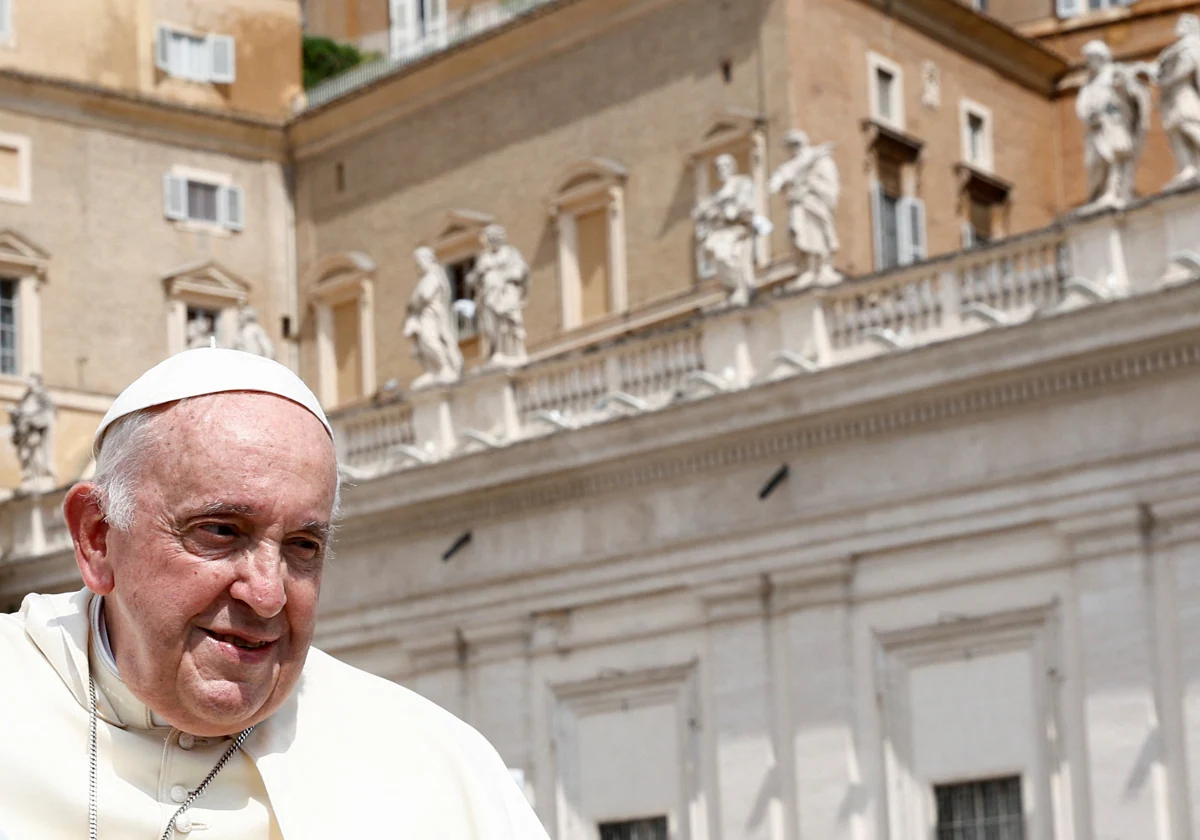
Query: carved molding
{"points": [[808, 434]]}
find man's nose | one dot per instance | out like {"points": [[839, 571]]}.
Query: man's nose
{"points": [[260, 582]]}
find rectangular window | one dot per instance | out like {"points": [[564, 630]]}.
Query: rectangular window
{"points": [[198, 58], [194, 199], [8, 327], [652, 828], [15, 168], [885, 86], [980, 223], [885, 212], [982, 810], [975, 126], [465, 321]]}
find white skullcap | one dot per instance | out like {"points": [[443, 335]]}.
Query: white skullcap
{"points": [[209, 370]]}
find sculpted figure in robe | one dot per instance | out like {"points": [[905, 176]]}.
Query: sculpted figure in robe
{"points": [[252, 337], [1177, 73], [500, 284], [725, 229], [1114, 106], [200, 331], [811, 183], [430, 323], [32, 430], [178, 690]]}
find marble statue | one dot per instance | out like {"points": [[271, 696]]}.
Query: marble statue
{"points": [[500, 284], [200, 330], [430, 323], [1114, 106], [726, 225], [251, 336], [810, 178], [1177, 72], [32, 431]]}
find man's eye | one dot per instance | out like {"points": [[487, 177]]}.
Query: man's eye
{"points": [[220, 529], [306, 549]]}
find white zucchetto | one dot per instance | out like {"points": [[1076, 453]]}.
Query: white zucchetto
{"points": [[209, 370]]}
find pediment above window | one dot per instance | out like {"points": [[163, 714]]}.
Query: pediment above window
{"points": [[586, 180], [208, 280], [728, 127], [19, 252], [460, 231]]}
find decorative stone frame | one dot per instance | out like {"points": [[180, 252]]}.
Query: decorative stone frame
{"points": [[334, 280], [207, 285], [911, 811], [460, 237], [27, 263], [731, 130], [22, 193], [582, 188], [875, 63], [675, 685], [968, 108]]}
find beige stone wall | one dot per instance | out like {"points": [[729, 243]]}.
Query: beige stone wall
{"points": [[97, 210], [111, 44], [831, 77], [1133, 34], [500, 145]]}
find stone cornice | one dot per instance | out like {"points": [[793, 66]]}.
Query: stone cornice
{"points": [[994, 370], [133, 114]]}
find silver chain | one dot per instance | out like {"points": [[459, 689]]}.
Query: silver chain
{"points": [[93, 833]]}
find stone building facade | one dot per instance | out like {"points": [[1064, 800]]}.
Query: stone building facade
{"points": [[903, 553]]}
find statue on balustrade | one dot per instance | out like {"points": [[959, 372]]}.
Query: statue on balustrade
{"points": [[430, 323], [1177, 72], [32, 434], [500, 284], [812, 185], [726, 224], [252, 337], [1114, 106]]}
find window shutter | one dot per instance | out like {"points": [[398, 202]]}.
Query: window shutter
{"points": [[916, 229], [6, 25], [436, 20], [877, 223], [222, 59], [174, 197], [232, 208], [402, 22], [1067, 8], [904, 233], [968, 235], [162, 48]]}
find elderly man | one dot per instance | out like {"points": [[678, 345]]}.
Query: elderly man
{"points": [[178, 693]]}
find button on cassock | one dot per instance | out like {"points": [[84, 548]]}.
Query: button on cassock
{"points": [[184, 824], [186, 741], [179, 793]]}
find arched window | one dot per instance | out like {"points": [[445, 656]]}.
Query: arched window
{"points": [[341, 296], [589, 213]]}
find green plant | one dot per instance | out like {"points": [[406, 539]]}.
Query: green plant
{"points": [[325, 58]]}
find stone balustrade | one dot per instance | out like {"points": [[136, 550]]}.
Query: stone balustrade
{"points": [[1080, 261]]}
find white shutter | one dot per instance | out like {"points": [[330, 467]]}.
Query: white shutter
{"points": [[968, 235], [174, 196], [6, 24], [402, 22], [916, 229], [222, 59], [1068, 8], [232, 210], [435, 18], [877, 223], [904, 233], [162, 49]]}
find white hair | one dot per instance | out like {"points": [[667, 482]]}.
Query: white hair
{"points": [[123, 450]]}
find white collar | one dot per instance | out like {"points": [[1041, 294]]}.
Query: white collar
{"points": [[128, 708]]}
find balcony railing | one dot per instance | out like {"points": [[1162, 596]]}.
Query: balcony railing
{"points": [[470, 24], [1078, 262]]}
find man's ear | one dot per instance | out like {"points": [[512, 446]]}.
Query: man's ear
{"points": [[89, 531]]}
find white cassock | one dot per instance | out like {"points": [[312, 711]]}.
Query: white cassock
{"points": [[348, 755]]}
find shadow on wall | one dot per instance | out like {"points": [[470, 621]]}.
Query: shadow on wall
{"points": [[675, 42]]}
